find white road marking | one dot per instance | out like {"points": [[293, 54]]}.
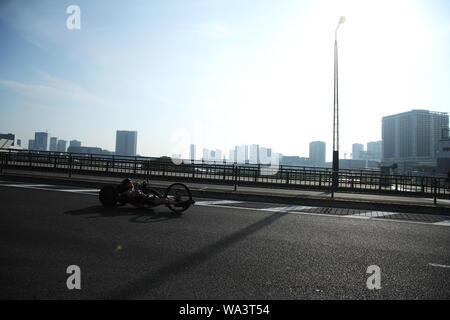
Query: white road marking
{"points": [[370, 214], [287, 209], [44, 187], [216, 202], [443, 223], [357, 216], [438, 265], [27, 185], [80, 190]]}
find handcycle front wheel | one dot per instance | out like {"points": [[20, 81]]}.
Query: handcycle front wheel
{"points": [[181, 195]]}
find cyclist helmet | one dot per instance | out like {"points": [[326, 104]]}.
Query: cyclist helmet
{"points": [[125, 185]]}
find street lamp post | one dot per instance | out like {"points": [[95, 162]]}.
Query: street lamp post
{"points": [[335, 174]]}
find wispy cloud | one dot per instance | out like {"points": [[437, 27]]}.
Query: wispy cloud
{"points": [[51, 88]]}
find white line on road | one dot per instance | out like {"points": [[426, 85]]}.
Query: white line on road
{"points": [[438, 265], [80, 190], [208, 203], [287, 209], [443, 223], [27, 185], [370, 214], [45, 187]]}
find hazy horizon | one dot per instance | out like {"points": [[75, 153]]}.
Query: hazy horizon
{"points": [[219, 73]]}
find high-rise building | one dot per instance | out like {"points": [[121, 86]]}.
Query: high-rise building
{"points": [[19, 142], [317, 151], [232, 156], [357, 151], [218, 155], [254, 154], [241, 154], [61, 146], [31, 144], [374, 150], [40, 141], [126, 143], [205, 156], [264, 157], [74, 143], [412, 135], [53, 142], [443, 158], [192, 152]]}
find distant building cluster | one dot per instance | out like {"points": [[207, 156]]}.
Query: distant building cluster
{"points": [[252, 154], [416, 141], [372, 152], [126, 143]]}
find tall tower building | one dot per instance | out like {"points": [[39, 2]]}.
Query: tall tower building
{"points": [[74, 143], [126, 143], [317, 151], [53, 142], [374, 150], [40, 141], [205, 154], [241, 153], [357, 151], [192, 152], [61, 146], [412, 135], [254, 154]]}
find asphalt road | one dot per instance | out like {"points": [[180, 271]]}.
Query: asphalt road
{"points": [[210, 252]]}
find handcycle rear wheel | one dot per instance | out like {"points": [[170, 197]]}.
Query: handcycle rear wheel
{"points": [[108, 196], [182, 196]]}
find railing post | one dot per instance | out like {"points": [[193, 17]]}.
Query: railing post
{"points": [[235, 176], [435, 191], [7, 159], [135, 164], [70, 165]]}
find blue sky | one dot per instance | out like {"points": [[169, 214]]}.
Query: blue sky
{"points": [[219, 73]]}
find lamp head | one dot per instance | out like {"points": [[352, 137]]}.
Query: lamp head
{"points": [[342, 20]]}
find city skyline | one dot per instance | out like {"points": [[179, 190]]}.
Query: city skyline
{"points": [[246, 76]]}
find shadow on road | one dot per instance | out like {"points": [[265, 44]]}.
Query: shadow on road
{"points": [[156, 278], [137, 215]]}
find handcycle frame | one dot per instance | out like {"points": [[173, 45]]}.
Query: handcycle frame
{"points": [[109, 196]]}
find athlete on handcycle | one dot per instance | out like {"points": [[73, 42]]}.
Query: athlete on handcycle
{"points": [[130, 192]]}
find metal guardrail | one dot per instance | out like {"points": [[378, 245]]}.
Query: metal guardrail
{"points": [[236, 174]]}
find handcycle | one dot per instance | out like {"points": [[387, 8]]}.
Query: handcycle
{"points": [[178, 193]]}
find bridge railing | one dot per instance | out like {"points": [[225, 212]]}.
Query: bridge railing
{"points": [[236, 174]]}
